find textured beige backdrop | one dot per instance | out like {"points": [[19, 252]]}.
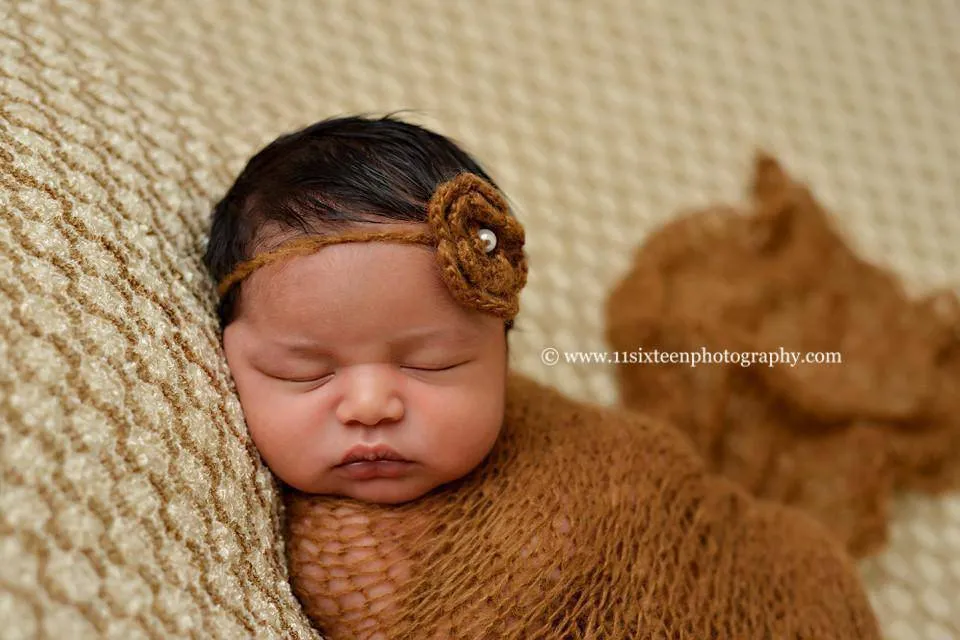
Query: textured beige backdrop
{"points": [[131, 504]]}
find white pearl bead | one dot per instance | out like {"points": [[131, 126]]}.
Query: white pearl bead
{"points": [[489, 239]]}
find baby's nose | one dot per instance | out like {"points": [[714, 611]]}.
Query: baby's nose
{"points": [[370, 397]]}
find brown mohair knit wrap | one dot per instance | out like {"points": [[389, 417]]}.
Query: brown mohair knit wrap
{"points": [[835, 439], [486, 279], [583, 522]]}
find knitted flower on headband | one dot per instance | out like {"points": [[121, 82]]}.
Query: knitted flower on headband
{"points": [[479, 246]]}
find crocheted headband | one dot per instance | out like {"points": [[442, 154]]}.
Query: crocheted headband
{"points": [[479, 246]]}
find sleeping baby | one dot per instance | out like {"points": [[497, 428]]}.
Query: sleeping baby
{"points": [[369, 273]]}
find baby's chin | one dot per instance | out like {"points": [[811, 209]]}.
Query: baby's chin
{"points": [[386, 491]]}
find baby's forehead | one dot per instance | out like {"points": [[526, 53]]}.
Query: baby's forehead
{"points": [[350, 268], [290, 333], [345, 285]]}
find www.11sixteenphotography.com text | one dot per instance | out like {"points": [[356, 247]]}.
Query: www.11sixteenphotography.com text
{"points": [[551, 356]]}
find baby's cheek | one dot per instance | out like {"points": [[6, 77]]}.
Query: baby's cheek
{"points": [[290, 437], [460, 426]]}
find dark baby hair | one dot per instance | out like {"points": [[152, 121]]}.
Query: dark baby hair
{"points": [[333, 172]]}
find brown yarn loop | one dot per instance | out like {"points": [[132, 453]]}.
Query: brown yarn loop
{"points": [[459, 208]]}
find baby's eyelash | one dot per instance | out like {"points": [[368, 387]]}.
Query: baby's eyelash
{"points": [[444, 368], [322, 378]]}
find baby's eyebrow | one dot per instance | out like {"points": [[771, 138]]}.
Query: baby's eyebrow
{"points": [[407, 341], [420, 337], [301, 348]]}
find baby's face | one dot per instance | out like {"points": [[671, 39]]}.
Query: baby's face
{"points": [[359, 352]]}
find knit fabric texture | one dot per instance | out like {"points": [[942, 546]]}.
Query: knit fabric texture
{"points": [[132, 504], [834, 437], [488, 280], [581, 523]]}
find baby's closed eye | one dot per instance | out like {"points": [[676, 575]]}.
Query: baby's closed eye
{"points": [[304, 375], [440, 365], [296, 368]]}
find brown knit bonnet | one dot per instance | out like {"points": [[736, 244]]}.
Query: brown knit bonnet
{"points": [[479, 246]]}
